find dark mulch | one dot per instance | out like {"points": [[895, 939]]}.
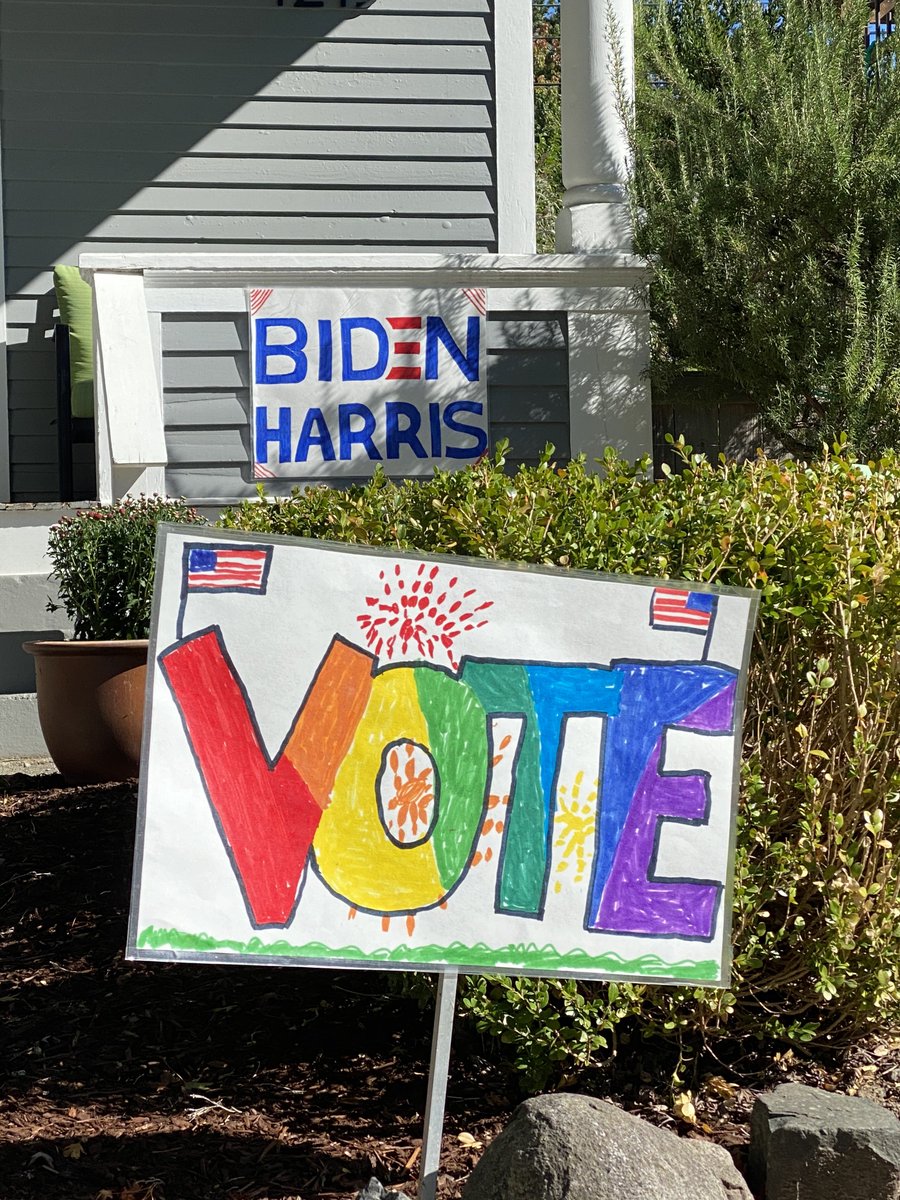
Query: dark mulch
{"points": [[124, 1081], [127, 1081]]}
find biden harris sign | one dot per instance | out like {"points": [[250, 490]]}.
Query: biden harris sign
{"points": [[368, 758], [344, 379]]}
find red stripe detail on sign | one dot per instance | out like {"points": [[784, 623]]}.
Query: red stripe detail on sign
{"points": [[258, 297], [477, 297]]}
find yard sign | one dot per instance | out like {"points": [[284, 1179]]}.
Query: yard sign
{"points": [[366, 758], [344, 379]]}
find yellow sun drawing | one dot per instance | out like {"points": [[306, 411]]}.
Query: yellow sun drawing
{"points": [[573, 828]]}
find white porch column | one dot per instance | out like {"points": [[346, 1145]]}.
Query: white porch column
{"points": [[594, 217], [609, 337]]}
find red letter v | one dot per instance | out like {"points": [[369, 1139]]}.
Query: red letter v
{"points": [[266, 812]]}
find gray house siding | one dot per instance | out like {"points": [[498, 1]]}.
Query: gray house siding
{"points": [[205, 364], [232, 125]]}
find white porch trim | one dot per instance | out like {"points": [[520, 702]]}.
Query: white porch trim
{"points": [[514, 126], [536, 271], [609, 346], [594, 217], [609, 401], [131, 444]]}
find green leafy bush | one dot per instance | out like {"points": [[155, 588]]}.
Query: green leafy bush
{"points": [[817, 910], [103, 565]]}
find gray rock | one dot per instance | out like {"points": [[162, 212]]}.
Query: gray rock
{"points": [[569, 1147], [806, 1144], [375, 1190]]}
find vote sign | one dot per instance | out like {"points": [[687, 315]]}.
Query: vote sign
{"points": [[366, 758]]}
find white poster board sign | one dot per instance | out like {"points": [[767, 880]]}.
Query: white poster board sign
{"points": [[365, 758], [343, 380]]}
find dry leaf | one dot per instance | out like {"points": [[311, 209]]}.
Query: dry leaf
{"points": [[720, 1087], [73, 1150], [466, 1139], [683, 1108], [141, 1189]]}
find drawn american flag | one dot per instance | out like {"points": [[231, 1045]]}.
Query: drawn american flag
{"points": [[260, 471], [222, 568], [688, 611]]}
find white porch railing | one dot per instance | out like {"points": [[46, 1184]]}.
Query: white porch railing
{"points": [[608, 337]]}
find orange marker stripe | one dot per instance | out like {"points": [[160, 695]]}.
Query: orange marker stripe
{"points": [[327, 724]]}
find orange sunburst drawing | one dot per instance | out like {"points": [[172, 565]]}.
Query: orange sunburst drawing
{"points": [[420, 613], [408, 792]]}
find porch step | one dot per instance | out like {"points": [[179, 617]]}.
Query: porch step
{"points": [[20, 731], [25, 590]]}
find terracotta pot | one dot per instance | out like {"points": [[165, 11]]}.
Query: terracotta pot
{"points": [[91, 706]]}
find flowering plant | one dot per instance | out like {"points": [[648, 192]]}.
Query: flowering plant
{"points": [[103, 565]]}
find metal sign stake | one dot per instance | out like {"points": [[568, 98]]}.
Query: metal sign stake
{"points": [[445, 1003]]}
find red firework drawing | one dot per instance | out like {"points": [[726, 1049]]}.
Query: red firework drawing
{"points": [[422, 612]]}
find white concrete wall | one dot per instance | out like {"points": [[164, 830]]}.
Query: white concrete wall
{"points": [[25, 590]]}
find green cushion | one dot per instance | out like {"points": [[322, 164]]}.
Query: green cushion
{"points": [[75, 300]]}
